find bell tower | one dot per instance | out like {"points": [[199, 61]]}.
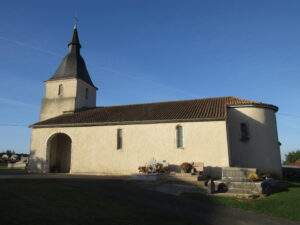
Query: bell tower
{"points": [[70, 88]]}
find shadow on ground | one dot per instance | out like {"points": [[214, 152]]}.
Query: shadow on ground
{"points": [[110, 201]]}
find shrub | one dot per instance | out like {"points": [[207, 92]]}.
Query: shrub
{"points": [[253, 177], [159, 168], [186, 167], [154, 168], [143, 169]]}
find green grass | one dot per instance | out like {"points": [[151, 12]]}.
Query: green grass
{"points": [[9, 171], [284, 204], [3, 166], [103, 201], [75, 201]]}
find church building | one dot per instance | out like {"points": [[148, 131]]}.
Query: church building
{"points": [[75, 136]]}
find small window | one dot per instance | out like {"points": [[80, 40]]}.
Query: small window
{"points": [[86, 93], [244, 132], [119, 139], [179, 136], [60, 89]]}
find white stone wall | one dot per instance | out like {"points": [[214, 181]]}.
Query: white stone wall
{"points": [[69, 88], [94, 149], [73, 97], [81, 101], [261, 150]]}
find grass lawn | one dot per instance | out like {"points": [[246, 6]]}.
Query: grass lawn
{"points": [[121, 202], [72, 201], [3, 166], [284, 204], [8, 171]]}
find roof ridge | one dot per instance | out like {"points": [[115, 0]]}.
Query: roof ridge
{"points": [[174, 101], [205, 109]]}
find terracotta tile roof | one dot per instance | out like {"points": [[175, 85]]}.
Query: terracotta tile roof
{"points": [[187, 110]]}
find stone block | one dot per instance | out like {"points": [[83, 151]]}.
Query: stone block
{"points": [[236, 173]]}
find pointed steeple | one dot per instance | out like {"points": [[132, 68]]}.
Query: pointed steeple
{"points": [[74, 44], [73, 65]]}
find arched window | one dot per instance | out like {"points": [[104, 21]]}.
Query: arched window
{"points": [[179, 136], [245, 134], [86, 93], [60, 89], [119, 139]]}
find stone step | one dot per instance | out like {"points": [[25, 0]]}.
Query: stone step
{"points": [[183, 177], [241, 187], [241, 191], [238, 195], [245, 185]]}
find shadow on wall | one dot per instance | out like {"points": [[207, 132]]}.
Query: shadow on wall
{"points": [[260, 149], [36, 164]]}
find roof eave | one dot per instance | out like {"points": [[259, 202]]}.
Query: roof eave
{"points": [[273, 107], [66, 78], [127, 122]]}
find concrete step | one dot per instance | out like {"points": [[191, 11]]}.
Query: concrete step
{"points": [[241, 187], [183, 177], [245, 185], [242, 191], [238, 195]]}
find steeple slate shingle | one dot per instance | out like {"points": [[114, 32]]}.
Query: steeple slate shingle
{"points": [[73, 65]]}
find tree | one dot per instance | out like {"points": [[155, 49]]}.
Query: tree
{"points": [[292, 157], [10, 152]]}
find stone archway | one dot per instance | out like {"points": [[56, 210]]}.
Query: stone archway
{"points": [[59, 153]]}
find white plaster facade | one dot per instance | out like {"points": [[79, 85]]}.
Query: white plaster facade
{"points": [[71, 98], [216, 143], [94, 148], [262, 149]]}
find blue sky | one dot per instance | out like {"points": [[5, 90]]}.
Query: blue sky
{"points": [[145, 51]]}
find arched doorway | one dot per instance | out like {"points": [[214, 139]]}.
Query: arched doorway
{"points": [[59, 153]]}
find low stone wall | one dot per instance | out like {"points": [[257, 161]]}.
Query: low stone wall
{"points": [[237, 173], [291, 172], [17, 165], [232, 173]]}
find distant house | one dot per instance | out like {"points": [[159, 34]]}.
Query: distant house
{"points": [[24, 159], [75, 136], [5, 156]]}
